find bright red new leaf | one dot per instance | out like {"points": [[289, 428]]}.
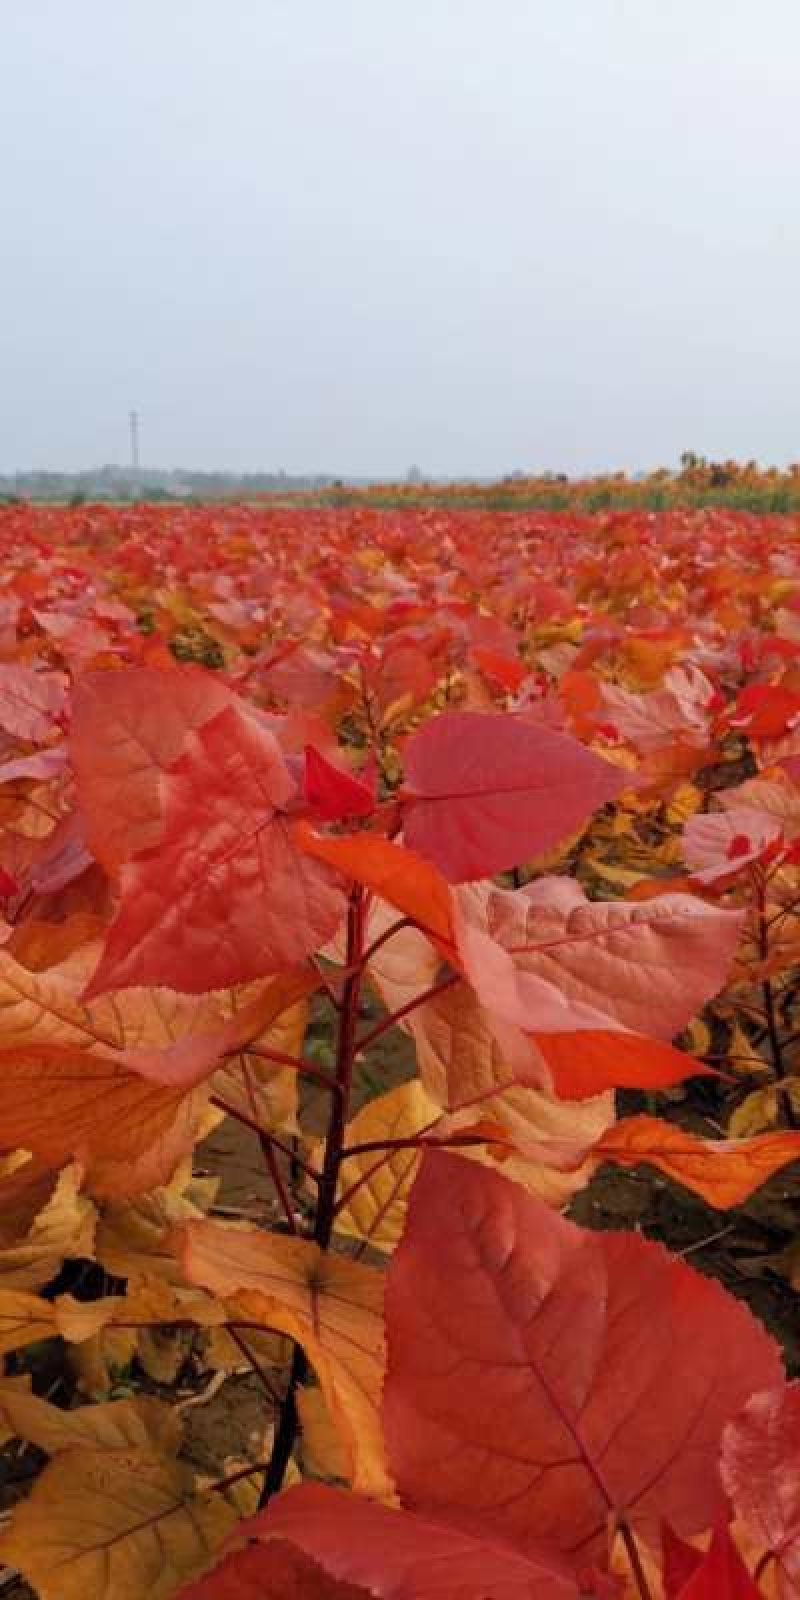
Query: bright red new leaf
{"points": [[679, 1561], [721, 1574], [332, 792]]}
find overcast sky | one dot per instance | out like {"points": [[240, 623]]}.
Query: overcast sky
{"points": [[350, 235]]}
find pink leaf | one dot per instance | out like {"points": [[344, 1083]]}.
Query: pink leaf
{"points": [[549, 960], [30, 701], [761, 1472]]}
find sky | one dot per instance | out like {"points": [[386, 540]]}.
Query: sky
{"points": [[355, 235]]}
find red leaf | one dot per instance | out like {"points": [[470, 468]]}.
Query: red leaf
{"points": [[760, 1455], [225, 897], [508, 671], [484, 793], [765, 710], [127, 728], [679, 1561], [584, 1063], [401, 1556], [599, 1371], [721, 1574], [333, 793], [726, 1172], [278, 1570]]}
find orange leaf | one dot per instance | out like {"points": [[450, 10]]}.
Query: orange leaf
{"points": [[62, 1103], [398, 875], [724, 1171], [332, 1306], [585, 1063]]}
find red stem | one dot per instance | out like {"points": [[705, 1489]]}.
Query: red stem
{"points": [[419, 1141], [297, 1063], [388, 933], [278, 1180]]}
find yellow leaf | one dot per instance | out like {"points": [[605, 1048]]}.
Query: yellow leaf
{"points": [[131, 1234], [686, 801], [223, 1354], [612, 872], [96, 1362], [114, 1525], [757, 1113], [332, 1306], [43, 1220], [321, 1453], [464, 1054], [697, 1038], [376, 1212], [21, 1385], [742, 1056], [550, 1139], [261, 1089], [24, 1319], [118, 1425]]}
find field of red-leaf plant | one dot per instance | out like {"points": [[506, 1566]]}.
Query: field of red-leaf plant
{"points": [[521, 792]]}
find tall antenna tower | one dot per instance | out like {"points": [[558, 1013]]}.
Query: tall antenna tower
{"points": [[134, 420]]}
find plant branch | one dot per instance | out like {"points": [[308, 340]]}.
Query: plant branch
{"points": [[383, 938], [420, 1141], [770, 1010], [632, 1552], [267, 1383], [286, 1432], [278, 1180], [411, 1005], [345, 1062], [327, 1180], [298, 1064], [250, 1122]]}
